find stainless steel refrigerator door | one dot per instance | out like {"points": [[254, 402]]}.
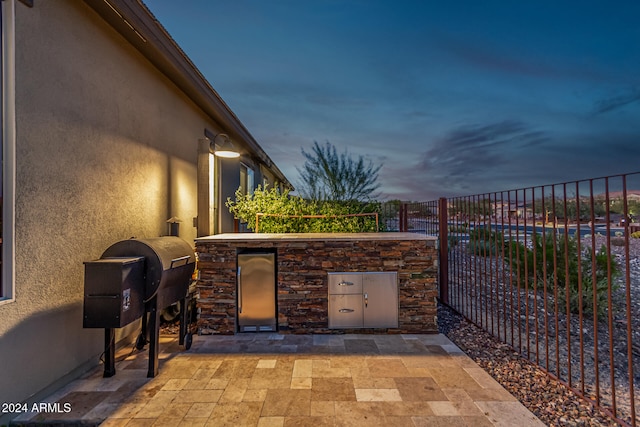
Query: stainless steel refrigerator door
{"points": [[256, 292]]}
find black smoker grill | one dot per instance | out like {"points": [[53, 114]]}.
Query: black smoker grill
{"points": [[138, 278]]}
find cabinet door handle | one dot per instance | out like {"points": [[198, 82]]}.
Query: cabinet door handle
{"points": [[345, 284], [346, 310], [366, 299]]}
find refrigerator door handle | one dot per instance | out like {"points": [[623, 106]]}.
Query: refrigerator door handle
{"points": [[239, 290]]}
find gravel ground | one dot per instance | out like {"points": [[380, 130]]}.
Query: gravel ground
{"points": [[549, 400]]}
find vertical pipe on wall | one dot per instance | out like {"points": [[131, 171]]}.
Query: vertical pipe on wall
{"points": [[8, 135], [206, 189]]}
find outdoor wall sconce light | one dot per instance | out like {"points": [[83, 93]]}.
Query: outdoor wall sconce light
{"points": [[222, 147]]}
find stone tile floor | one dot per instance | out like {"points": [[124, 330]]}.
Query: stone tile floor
{"points": [[292, 380]]}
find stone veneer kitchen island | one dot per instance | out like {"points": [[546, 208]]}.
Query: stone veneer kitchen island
{"points": [[303, 262]]}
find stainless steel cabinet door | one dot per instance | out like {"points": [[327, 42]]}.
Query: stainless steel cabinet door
{"points": [[380, 300], [345, 311]]}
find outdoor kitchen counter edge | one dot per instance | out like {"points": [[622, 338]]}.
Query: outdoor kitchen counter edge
{"points": [[253, 237]]}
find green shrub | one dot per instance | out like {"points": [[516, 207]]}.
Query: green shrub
{"points": [[288, 211], [567, 273], [636, 234], [459, 228], [618, 241], [485, 242], [588, 288]]}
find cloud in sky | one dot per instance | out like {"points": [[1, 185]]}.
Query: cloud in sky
{"points": [[451, 97], [469, 149], [618, 101], [461, 161]]}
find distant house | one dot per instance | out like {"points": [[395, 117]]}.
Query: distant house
{"points": [[107, 132], [632, 195]]}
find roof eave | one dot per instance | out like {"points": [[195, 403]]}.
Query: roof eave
{"points": [[134, 21]]}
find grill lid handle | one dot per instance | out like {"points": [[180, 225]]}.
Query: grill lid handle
{"points": [[177, 260]]}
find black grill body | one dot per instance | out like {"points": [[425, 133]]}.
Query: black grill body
{"points": [[169, 264], [138, 278]]}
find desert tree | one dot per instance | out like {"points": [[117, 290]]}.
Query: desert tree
{"points": [[327, 175]]}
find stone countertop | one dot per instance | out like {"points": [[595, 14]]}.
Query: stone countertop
{"points": [[256, 237]]}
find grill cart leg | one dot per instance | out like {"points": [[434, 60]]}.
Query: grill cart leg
{"points": [[154, 334], [183, 319], [142, 338], [109, 353], [187, 316], [185, 322]]}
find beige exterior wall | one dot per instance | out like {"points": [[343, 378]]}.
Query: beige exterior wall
{"points": [[106, 150]]}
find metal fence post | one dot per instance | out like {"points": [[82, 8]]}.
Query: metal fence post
{"points": [[443, 255], [402, 218]]}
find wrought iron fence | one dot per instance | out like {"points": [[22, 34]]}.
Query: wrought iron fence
{"points": [[553, 271]]}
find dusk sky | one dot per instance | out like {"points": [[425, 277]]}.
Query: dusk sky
{"points": [[451, 98]]}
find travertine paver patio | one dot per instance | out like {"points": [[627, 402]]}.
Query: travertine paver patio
{"points": [[294, 380]]}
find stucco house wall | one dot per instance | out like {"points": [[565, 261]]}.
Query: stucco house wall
{"points": [[106, 150]]}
